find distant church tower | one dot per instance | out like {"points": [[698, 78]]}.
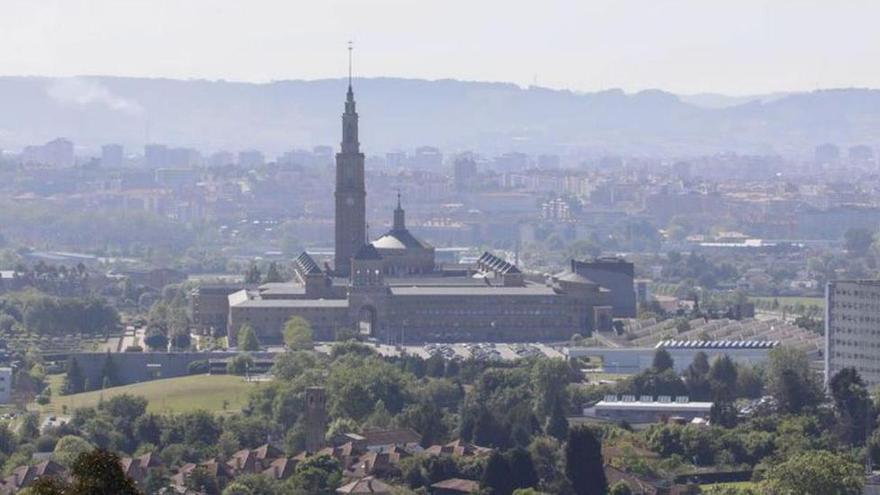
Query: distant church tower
{"points": [[316, 418], [350, 190]]}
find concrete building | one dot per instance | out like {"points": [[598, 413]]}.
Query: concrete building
{"points": [[392, 289], [648, 410], [852, 329], [631, 360], [112, 155]]}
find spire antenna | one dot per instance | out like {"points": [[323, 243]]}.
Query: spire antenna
{"points": [[350, 48]]}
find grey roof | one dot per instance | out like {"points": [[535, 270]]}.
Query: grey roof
{"points": [[293, 303], [717, 344], [490, 262], [428, 281], [286, 289], [569, 276], [399, 239], [306, 264], [367, 252], [484, 290]]}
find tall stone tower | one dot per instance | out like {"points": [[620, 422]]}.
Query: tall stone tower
{"points": [[351, 224], [316, 418]]}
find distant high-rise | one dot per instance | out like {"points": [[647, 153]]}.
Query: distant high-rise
{"points": [[827, 153], [851, 337], [428, 157], [111, 155], [861, 154], [221, 159], [251, 158], [55, 153], [464, 173], [351, 193], [155, 155]]}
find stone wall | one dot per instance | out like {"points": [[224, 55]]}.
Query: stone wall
{"points": [[135, 367]]}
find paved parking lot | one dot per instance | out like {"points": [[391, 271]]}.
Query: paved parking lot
{"points": [[475, 350]]}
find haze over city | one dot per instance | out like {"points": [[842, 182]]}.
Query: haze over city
{"points": [[683, 46]]}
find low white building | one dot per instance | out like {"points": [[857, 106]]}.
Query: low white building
{"points": [[648, 410]]}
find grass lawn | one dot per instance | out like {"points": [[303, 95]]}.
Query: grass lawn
{"points": [[187, 393]]}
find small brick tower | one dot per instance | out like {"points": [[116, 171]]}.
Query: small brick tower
{"points": [[316, 418]]}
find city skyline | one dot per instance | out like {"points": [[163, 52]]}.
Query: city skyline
{"points": [[684, 47]]}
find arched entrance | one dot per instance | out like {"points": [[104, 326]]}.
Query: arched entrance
{"points": [[366, 322]]}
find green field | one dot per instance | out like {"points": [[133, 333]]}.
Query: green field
{"points": [[188, 393]]}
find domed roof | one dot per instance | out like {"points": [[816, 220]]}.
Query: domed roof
{"points": [[399, 239]]}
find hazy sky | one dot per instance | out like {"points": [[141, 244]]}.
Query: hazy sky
{"points": [[687, 46]]}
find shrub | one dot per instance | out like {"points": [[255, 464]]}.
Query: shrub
{"points": [[198, 367]]}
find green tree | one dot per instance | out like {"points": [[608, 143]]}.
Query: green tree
{"points": [[814, 473], [620, 488], [155, 339], [109, 373], [427, 419], [241, 364], [29, 428], [247, 339], [100, 472], [583, 462], [318, 475], [252, 275], [722, 378], [497, 477], [68, 449], [201, 480], [696, 378], [549, 378], [790, 380], [851, 400], [557, 423], [74, 381], [858, 241], [522, 469], [662, 361], [273, 275], [298, 333]]}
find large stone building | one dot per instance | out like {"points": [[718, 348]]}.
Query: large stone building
{"points": [[852, 329], [392, 289]]}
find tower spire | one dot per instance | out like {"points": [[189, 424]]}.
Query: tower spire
{"points": [[350, 48], [399, 216]]}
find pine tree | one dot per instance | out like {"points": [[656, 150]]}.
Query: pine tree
{"points": [[557, 424], [252, 275], [272, 274], [522, 469], [497, 475], [109, 373], [247, 339], [74, 382], [583, 462], [662, 361]]}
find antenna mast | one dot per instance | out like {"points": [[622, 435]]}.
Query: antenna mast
{"points": [[350, 48]]}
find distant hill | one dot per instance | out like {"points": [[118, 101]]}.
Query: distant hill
{"points": [[404, 113]]}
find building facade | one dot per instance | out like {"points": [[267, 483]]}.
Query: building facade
{"points": [[852, 329], [393, 290]]}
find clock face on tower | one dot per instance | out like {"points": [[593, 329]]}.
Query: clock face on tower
{"points": [[349, 201]]}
